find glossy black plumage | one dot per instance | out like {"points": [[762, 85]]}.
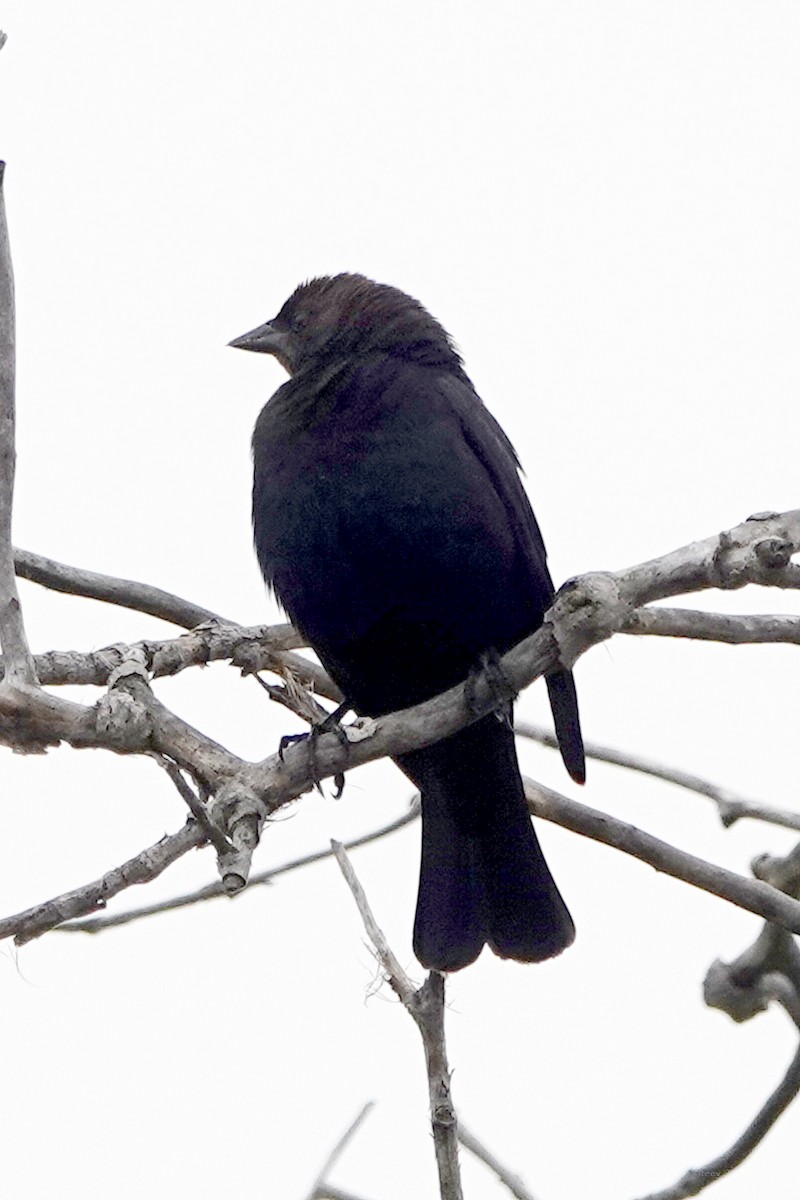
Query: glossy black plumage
{"points": [[390, 519]]}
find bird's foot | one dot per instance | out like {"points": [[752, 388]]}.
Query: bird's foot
{"points": [[329, 725], [489, 675]]}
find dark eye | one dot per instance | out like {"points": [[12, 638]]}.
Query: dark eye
{"points": [[299, 321]]}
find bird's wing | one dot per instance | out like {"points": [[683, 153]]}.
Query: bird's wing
{"points": [[493, 449], [497, 456]]}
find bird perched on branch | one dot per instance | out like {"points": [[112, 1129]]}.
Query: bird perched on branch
{"points": [[390, 520]]}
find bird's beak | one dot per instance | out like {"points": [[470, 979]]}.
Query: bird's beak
{"points": [[266, 339]]}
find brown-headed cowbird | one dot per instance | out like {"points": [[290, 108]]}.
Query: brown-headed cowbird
{"points": [[391, 522]]}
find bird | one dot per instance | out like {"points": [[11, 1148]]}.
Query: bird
{"points": [[391, 523]]}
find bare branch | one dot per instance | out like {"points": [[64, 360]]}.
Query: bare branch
{"points": [[734, 630], [745, 987], [780, 870], [506, 1177], [32, 719], [751, 894], [732, 806], [582, 615], [195, 805], [143, 868], [757, 551], [125, 593], [694, 1181], [742, 988], [426, 1006], [257, 648], [319, 1187], [767, 971], [214, 891], [251, 648], [19, 664], [429, 1015], [399, 981], [327, 1191], [275, 781]]}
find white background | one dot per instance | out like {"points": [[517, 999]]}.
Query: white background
{"points": [[600, 202]]}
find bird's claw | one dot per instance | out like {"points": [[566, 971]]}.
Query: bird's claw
{"points": [[329, 725], [289, 739]]}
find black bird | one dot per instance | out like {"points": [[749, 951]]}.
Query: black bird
{"points": [[390, 520]]}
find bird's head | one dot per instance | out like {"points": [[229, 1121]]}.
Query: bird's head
{"points": [[337, 317]]}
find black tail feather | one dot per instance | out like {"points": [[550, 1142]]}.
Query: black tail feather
{"points": [[450, 924], [483, 876], [564, 703]]}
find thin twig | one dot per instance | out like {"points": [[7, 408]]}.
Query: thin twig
{"points": [[506, 1177], [338, 1150], [142, 868], [214, 891], [398, 979], [694, 1181], [251, 648], [195, 805], [327, 1191], [767, 971], [732, 806], [738, 629], [587, 612], [426, 1006], [751, 894], [19, 663], [125, 593], [277, 781]]}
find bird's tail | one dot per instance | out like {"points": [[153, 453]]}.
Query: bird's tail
{"points": [[483, 877], [564, 705]]}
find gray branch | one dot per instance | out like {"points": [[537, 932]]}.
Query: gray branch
{"points": [[321, 1190], [509, 1180], [758, 551], [732, 806], [215, 891], [126, 593], [143, 868], [751, 894], [327, 1191], [734, 629], [754, 895], [767, 971], [426, 1006], [274, 781], [584, 613], [19, 664], [699, 1178], [250, 648]]}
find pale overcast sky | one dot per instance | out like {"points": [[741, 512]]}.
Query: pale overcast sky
{"points": [[600, 202]]}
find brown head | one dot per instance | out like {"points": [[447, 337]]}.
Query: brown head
{"points": [[338, 317]]}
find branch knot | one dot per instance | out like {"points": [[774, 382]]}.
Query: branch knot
{"points": [[123, 721], [586, 611], [240, 813], [122, 716]]}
